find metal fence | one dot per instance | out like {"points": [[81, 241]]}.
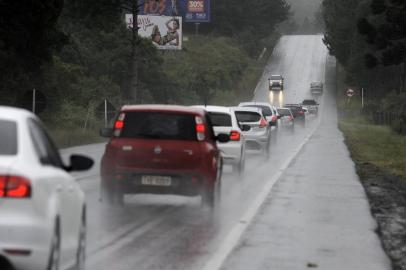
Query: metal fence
{"points": [[384, 118]]}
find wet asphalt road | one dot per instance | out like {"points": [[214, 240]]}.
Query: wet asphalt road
{"points": [[171, 232]]}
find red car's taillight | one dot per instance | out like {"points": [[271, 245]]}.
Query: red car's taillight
{"points": [[235, 136], [301, 112], [200, 128], [14, 187], [119, 125], [291, 118], [263, 123], [274, 118]]}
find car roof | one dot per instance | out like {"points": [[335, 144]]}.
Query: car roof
{"points": [[284, 108], [14, 114], [254, 103], [211, 108], [248, 109], [163, 108]]}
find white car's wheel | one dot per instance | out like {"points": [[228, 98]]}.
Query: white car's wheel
{"points": [[81, 252], [55, 253], [239, 168]]}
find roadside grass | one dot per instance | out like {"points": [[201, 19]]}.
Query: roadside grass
{"points": [[375, 144]]}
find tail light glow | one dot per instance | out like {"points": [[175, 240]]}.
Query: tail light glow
{"points": [[14, 187], [274, 118], [263, 123], [200, 128], [119, 124], [235, 136]]}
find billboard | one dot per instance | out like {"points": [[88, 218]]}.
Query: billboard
{"points": [[190, 10], [165, 32]]}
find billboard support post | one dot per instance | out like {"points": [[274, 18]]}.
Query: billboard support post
{"points": [[197, 28], [134, 51]]}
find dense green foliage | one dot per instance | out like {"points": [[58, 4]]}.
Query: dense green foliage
{"points": [[248, 21], [368, 38], [385, 30], [28, 36]]}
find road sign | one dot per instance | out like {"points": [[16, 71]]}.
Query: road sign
{"points": [[33, 100], [106, 110], [350, 92]]}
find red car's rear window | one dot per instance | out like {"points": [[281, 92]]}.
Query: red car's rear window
{"points": [[159, 125]]}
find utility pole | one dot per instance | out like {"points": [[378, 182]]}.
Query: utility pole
{"points": [[402, 77], [133, 7], [34, 102], [134, 51]]}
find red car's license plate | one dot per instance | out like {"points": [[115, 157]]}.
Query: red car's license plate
{"points": [[154, 180]]}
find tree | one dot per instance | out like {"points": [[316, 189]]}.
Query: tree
{"points": [[249, 21], [340, 19], [385, 31], [28, 38]]}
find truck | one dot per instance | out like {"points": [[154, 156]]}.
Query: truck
{"points": [[316, 88]]}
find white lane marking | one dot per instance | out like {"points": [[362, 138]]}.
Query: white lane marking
{"points": [[233, 237]]}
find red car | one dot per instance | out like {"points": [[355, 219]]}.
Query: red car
{"points": [[161, 149]]}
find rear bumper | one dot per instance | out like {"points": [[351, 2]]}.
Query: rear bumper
{"points": [[257, 143], [300, 118], [26, 234], [231, 152], [287, 124], [185, 183]]}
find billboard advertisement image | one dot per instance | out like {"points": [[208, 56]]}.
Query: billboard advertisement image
{"points": [[189, 10], [165, 32]]}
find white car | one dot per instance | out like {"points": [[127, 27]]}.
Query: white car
{"points": [[258, 137], [287, 121], [224, 120], [268, 111], [42, 207]]}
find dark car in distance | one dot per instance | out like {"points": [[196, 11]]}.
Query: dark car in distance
{"points": [[298, 112], [311, 105], [161, 149]]}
